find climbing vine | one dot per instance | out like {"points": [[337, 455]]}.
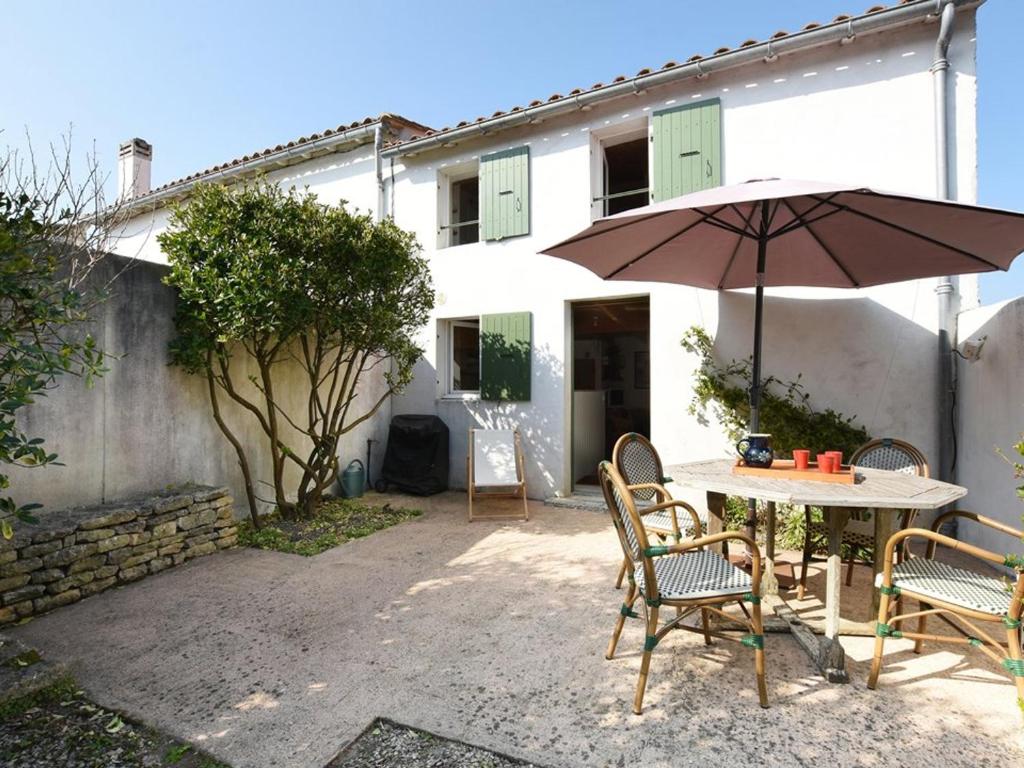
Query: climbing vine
{"points": [[786, 410]]}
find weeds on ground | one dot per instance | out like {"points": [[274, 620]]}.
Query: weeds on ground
{"points": [[335, 522]]}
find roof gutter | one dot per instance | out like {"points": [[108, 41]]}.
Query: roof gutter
{"points": [[362, 134], [837, 32]]}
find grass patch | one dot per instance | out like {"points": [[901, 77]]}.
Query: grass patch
{"points": [[26, 659], [335, 522], [60, 725], [61, 689]]}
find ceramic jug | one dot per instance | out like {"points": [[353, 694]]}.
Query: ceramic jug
{"points": [[756, 450]]}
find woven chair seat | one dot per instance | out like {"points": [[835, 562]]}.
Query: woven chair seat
{"points": [[661, 522], [696, 575], [966, 589], [852, 538]]}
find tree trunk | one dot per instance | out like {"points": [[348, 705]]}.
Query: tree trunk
{"points": [[243, 461]]}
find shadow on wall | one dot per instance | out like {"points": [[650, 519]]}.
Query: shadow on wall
{"points": [[538, 419], [855, 355], [991, 417], [146, 425]]}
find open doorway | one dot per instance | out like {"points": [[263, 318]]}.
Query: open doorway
{"points": [[611, 387]]}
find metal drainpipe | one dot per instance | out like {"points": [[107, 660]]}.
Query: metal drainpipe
{"points": [[944, 288], [378, 162]]}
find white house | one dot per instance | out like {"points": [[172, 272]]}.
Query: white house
{"points": [[573, 361]]}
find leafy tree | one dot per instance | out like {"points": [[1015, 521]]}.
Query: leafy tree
{"points": [[271, 279], [53, 231]]}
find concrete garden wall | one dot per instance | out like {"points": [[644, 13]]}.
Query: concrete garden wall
{"points": [[75, 553], [146, 424], [991, 416]]}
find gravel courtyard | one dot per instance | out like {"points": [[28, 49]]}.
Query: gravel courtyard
{"points": [[493, 633]]}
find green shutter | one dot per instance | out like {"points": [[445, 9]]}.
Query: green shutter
{"points": [[505, 356], [687, 149], [505, 194]]}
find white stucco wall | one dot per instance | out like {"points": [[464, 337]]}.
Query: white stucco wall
{"points": [[991, 417], [860, 113], [343, 176]]}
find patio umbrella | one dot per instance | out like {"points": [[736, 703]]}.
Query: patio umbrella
{"points": [[777, 232]]}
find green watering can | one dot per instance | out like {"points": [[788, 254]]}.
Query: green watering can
{"points": [[353, 480]]}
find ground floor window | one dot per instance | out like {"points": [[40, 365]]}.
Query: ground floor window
{"points": [[487, 356], [464, 356]]}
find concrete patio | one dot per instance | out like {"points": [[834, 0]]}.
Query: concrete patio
{"points": [[494, 633]]}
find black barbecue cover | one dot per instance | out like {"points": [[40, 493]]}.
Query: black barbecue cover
{"points": [[416, 459]]}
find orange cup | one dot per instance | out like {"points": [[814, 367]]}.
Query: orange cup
{"points": [[826, 463], [801, 458], [837, 457]]}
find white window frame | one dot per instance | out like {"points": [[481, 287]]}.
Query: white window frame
{"points": [[631, 130], [447, 179], [447, 362]]}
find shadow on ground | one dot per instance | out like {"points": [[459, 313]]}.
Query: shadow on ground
{"points": [[493, 633]]}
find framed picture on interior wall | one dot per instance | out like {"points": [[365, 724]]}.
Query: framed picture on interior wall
{"points": [[642, 369]]}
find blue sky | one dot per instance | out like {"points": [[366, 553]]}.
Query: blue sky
{"points": [[205, 82]]}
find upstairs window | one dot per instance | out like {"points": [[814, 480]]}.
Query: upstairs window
{"points": [[626, 179], [465, 211]]}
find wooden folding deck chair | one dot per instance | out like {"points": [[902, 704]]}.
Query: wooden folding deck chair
{"points": [[495, 468]]}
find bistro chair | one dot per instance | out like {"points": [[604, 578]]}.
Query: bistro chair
{"points": [[685, 576], [495, 467], [635, 458], [961, 598], [859, 534]]}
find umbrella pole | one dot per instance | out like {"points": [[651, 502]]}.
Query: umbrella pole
{"points": [[755, 384]]}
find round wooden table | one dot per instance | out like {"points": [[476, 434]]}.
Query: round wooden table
{"points": [[885, 493]]}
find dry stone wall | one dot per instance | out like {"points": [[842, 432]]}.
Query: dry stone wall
{"points": [[75, 553]]}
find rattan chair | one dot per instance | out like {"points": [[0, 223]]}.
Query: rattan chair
{"points": [[859, 534], [957, 596], [635, 458], [685, 576]]}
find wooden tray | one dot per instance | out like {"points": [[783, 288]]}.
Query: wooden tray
{"points": [[784, 469]]}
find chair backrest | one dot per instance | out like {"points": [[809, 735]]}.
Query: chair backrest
{"points": [[632, 535], [495, 458], [893, 455], [636, 460]]}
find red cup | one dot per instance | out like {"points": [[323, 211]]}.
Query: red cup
{"points": [[801, 458], [837, 457], [826, 463]]}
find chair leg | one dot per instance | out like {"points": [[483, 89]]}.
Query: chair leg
{"points": [[622, 573], [876, 661], [645, 663], [1013, 641], [758, 627], [619, 622], [705, 624], [921, 622]]}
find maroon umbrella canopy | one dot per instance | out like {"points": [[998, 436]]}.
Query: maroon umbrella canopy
{"points": [[817, 234], [784, 232]]}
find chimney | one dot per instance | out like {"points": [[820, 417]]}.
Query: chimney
{"points": [[134, 159]]}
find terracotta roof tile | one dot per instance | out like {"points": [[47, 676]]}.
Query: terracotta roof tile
{"points": [[424, 131], [421, 129], [670, 64]]}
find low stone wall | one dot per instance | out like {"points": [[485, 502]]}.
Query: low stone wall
{"points": [[75, 553]]}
